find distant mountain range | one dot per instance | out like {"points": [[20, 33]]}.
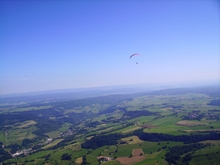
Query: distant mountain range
{"points": [[78, 93]]}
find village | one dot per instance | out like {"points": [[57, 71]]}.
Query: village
{"points": [[30, 150], [69, 132], [22, 152], [48, 140], [195, 115]]}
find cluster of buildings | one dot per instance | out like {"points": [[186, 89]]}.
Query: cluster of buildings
{"points": [[198, 116], [49, 140], [103, 158], [29, 150], [194, 115], [213, 116], [67, 133], [25, 152]]}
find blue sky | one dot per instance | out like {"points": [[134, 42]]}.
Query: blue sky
{"points": [[73, 44]]}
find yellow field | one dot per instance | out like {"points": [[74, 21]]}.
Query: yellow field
{"points": [[132, 140], [90, 137], [55, 142], [189, 123], [132, 129], [27, 124], [78, 160]]}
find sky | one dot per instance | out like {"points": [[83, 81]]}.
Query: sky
{"points": [[47, 45]]}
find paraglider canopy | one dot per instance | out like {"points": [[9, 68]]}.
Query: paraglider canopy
{"points": [[135, 54]]}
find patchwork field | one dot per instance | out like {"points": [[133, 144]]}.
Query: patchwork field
{"points": [[72, 123], [136, 156]]}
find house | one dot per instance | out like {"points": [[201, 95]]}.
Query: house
{"points": [[103, 158]]}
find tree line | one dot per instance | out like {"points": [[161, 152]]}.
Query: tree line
{"points": [[112, 139], [156, 137]]}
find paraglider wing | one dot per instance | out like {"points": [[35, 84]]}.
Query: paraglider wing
{"points": [[136, 54]]}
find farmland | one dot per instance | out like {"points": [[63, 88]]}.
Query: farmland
{"points": [[139, 128]]}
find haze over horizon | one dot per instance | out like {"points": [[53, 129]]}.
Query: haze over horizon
{"points": [[48, 45]]}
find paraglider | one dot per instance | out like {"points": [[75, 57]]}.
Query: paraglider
{"points": [[135, 54]]}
